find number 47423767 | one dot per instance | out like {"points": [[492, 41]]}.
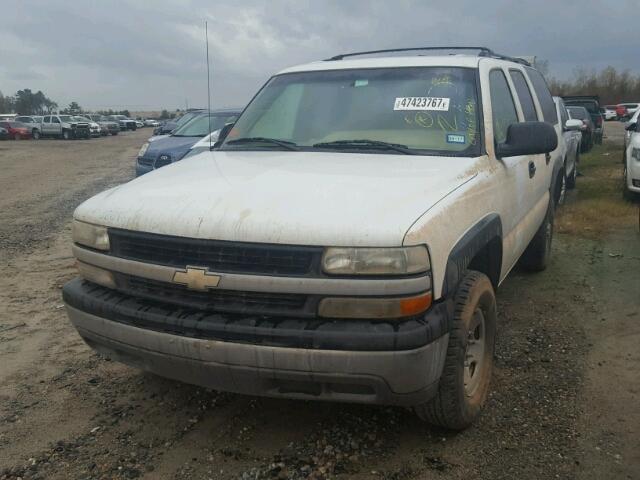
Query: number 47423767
{"points": [[421, 103]]}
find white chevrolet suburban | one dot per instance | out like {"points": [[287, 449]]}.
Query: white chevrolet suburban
{"points": [[343, 240]]}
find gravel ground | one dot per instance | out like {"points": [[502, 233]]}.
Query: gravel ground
{"points": [[564, 401]]}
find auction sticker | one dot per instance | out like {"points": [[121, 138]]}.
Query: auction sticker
{"points": [[422, 103]]}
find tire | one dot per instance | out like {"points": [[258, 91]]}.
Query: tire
{"points": [[571, 178], [17, 137], [465, 380], [35, 134], [538, 252], [66, 135], [114, 133]]}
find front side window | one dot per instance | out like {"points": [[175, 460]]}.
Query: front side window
{"points": [[419, 110], [524, 95], [55, 119], [502, 106]]}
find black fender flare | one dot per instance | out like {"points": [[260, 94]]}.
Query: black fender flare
{"points": [[488, 229]]}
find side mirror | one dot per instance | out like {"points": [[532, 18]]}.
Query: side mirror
{"points": [[631, 126], [573, 124], [528, 138], [224, 131]]}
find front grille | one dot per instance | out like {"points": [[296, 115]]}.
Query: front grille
{"points": [[224, 301], [218, 256]]}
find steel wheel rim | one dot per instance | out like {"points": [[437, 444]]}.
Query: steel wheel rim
{"points": [[474, 355]]}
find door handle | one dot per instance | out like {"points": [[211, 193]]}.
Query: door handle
{"points": [[532, 169]]}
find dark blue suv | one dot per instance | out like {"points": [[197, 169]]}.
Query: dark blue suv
{"points": [[165, 150]]}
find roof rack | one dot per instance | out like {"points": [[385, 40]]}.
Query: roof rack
{"points": [[482, 52]]}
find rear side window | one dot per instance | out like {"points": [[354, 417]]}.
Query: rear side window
{"points": [[502, 106], [544, 96], [524, 95]]}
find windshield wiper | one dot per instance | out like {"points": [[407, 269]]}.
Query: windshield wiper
{"points": [[281, 143], [364, 143]]}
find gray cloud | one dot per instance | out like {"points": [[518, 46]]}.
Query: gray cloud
{"points": [[137, 54]]}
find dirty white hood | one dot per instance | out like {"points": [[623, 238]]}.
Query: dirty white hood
{"points": [[303, 198]]}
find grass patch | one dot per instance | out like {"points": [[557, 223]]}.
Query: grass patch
{"points": [[596, 206]]}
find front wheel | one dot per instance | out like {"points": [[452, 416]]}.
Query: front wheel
{"points": [[17, 137], [66, 134], [35, 134], [464, 384]]}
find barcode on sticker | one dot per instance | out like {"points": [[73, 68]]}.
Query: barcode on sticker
{"points": [[421, 103]]}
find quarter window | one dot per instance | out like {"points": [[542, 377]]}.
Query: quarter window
{"points": [[544, 96], [502, 106], [524, 95]]}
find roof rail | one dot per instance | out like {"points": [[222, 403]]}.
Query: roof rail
{"points": [[482, 52]]}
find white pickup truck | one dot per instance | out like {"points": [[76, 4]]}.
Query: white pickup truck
{"points": [[343, 241]]}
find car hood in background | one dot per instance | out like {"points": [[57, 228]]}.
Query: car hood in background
{"points": [[304, 198], [176, 147]]}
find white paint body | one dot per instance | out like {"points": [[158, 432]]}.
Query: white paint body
{"points": [[632, 164], [341, 198]]}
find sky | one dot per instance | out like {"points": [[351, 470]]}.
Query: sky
{"points": [[143, 55]]}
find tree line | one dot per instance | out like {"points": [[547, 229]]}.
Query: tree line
{"points": [[26, 102], [611, 85]]}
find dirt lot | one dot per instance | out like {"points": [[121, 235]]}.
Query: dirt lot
{"points": [[565, 401]]}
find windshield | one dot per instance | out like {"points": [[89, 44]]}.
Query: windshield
{"points": [[78, 118], [65, 118], [430, 110], [185, 118], [199, 126]]}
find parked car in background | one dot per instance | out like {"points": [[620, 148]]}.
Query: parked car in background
{"points": [[94, 127], [124, 122], [170, 125], [587, 128], [631, 161], [139, 124], [4, 134], [148, 122], [63, 126], [30, 121], [609, 112], [107, 127], [570, 130], [174, 147], [629, 109], [16, 130], [592, 104]]}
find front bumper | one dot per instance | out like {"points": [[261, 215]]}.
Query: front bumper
{"points": [[332, 362]]}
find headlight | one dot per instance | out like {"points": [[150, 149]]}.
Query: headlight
{"points": [[376, 261], [143, 149], [92, 236], [635, 153]]}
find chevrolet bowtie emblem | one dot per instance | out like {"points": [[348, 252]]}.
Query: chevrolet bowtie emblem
{"points": [[196, 278]]}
